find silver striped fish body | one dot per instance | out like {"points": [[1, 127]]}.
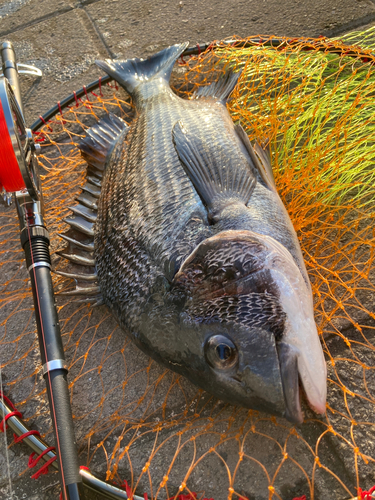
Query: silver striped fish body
{"points": [[148, 199], [149, 215], [195, 253]]}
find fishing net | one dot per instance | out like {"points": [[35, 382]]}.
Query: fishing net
{"points": [[139, 422]]}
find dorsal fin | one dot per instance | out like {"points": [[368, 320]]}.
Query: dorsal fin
{"points": [[133, 72], [221, 89], [97, 146], [96, 149]]}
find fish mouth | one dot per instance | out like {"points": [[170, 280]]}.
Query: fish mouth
{"points": [[288, 359], [275, 381], [295, 385], [280, 354]]}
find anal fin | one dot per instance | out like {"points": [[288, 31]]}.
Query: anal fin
{"points": [[260, 156], [221, 89]]}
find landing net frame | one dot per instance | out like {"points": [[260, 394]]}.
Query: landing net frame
{"points": [[365, 56]]}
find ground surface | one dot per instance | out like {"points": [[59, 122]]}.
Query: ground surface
{"points": [[63, 38]]}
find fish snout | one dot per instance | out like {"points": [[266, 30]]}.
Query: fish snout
{"points": [[272, 378], [297, 373]]}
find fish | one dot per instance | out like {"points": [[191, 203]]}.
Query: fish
{"points": [[181, 232]]}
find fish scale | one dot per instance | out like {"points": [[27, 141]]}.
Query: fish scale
{"points": [[157, 187]]}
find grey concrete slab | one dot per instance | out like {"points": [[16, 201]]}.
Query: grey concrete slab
{"points": [[142, 27], [15, 14], [64, 48]]}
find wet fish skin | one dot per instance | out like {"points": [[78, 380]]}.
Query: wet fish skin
{"points": [[195, 253]]}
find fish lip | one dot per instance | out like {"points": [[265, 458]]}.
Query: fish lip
{"points": [[288, 359], [294, 384], [293, 412]]}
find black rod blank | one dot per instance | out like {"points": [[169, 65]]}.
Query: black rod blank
{"points": [[53, 359], [39, 446]]}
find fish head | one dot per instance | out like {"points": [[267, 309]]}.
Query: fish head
{"points": [[247, 325]]}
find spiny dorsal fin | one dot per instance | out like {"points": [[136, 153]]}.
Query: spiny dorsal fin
{"points": [[96, 148], [221, 89], [81, 224], [86, 213], [78, 276], [101, 138], [88, 201], [216, 175], [87, 246], [133, 72], [75, 258], [88, 291]]}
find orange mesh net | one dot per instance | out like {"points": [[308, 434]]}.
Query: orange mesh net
{"points": [[139, 422]]}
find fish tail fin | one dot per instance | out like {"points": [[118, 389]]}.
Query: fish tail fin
{"points": [[133, 72]]}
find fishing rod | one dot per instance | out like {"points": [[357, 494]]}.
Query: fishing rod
{"points": [[19, 175], [91, 482]]}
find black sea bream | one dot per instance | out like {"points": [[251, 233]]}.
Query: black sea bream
{"points": [[194, 251]]}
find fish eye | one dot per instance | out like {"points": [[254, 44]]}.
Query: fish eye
{"points": [[220, 352]]}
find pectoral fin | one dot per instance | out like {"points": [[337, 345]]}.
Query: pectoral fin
{"points": [[216, 176]]}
